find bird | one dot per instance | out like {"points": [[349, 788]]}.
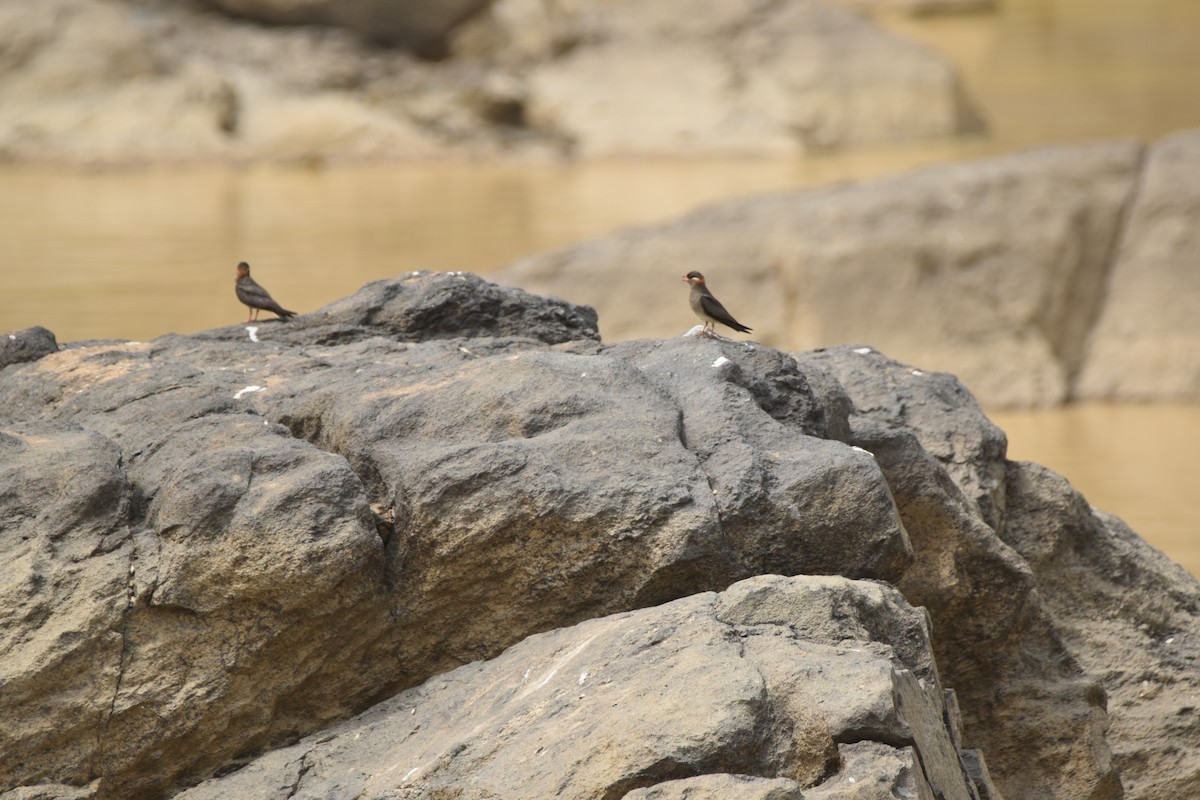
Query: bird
{"points": [[256, 297], [708, 308]]}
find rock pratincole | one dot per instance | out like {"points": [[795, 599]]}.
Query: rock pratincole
{"points": [[255, 297], [708, 308]]}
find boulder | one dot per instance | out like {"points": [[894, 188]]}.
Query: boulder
{"points": [[1128, 614], [1019, 687], [152, 81], [734, 77], [449, 496], [28, 344], [87, 80], [716, 695], [223, 544], [992, 270], [1144, 345]]}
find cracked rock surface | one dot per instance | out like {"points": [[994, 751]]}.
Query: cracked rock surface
{"points": [[739, 688], [218, 545]]}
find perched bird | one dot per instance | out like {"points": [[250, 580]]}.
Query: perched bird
{"points": [[256, 297], [708, 308]]}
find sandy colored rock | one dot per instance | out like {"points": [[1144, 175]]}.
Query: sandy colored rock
{"points": [[1146, 344], [165, 81], [732, 77]]}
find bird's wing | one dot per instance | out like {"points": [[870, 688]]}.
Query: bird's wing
{"points": [[256, 296], [713, 308]]}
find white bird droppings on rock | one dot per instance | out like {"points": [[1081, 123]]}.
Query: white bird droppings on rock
{"points": [[862, 351], [253, 331], [917, 372], [720, 361], [861, 450], [247, 390], [582, 677]]}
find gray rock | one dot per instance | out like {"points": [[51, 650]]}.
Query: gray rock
{"points": [[64, 512], [1129, 615], [220, 545], [421, 26], [516, 486], [142, 613], [28, 344], [641, 703], [428, 305], [992, 270], [1144, 346], [720, 786], [996, 644], [872, 770]]}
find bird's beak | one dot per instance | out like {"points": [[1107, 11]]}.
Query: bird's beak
{"points": [[685, 279]]}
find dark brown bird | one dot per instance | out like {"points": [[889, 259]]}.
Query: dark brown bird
{"points": [[256, 297], [708, 308]]}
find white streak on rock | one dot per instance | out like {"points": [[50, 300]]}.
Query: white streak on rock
{"points": [[248, 389], [253, 331]]}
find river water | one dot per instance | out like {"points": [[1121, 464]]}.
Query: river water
{"points": [[134, 254]]}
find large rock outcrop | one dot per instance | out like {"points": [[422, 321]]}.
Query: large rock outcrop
{"points": [[715, 695], [145, 81], [1146, 343], [221, 544], [992, 270], [734, 77]]}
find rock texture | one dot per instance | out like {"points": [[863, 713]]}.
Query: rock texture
{"points": [[738, 694], [299, 555], [1146, 344], [146, 81], [993, 270], [1131, 616]]}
